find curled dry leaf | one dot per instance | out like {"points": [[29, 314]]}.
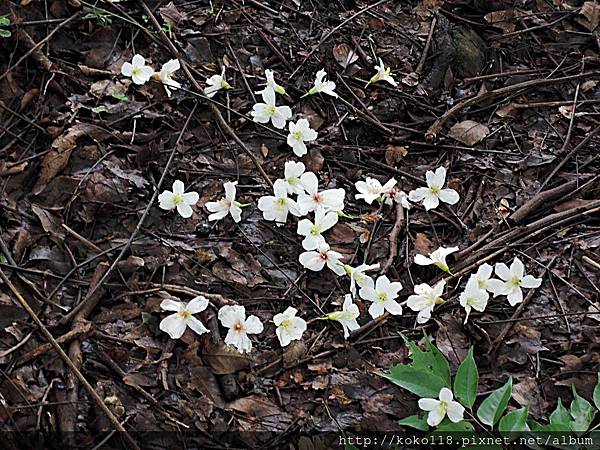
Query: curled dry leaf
{"points": [[344, 55], [223, 359], [60, 151], [469, 132]]}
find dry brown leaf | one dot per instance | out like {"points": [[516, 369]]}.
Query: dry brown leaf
{"points": [[591, 15], [60, 151], [223, 359], [469, 132], [344, 55], [502, 20], [293, 353], [106, 88], [395, 153]]}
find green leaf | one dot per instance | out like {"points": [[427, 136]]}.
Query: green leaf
{"points": [[419, 382], [466, 380], [596, 395], [418, 422], [561, 416], [438, 362], [492, 408], [515, 421], [5, 33], [582, 412], [460, 427], [4, 20]]}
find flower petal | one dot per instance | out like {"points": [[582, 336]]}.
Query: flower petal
{"points": [[254, 325], [171, 305], [197, 304], [197, 326], [173, 325]]}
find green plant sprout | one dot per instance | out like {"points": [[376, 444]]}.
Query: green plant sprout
{"points": [[429, 373], [4, 22]]}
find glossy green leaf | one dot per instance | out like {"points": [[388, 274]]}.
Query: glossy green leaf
{"points": [[515, 421], [492, 408], [466, 380], [418, 422], [419, 382], [561, 416], [582, 412]]}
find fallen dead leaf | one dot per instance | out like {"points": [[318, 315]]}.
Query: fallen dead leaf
{"points": [[344, 55], [394, 154], [469, 132], [223, 359], [591, 15]]}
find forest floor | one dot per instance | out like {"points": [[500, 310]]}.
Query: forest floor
{"points": [[503, 94]]}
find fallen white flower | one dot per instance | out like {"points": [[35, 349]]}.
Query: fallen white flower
{"points": [[513, 280], [268, 111], [347, 316], [358, 277], [369, 190], [382, 74], [315, 260], [383, 296], [227, 205], [433, 193], [425, 299], [166, 75], [300, 132], [322, 86], [438, 409], [289, 327], [137, 70], [271, 84], [175, 324], [329, 200], [473, 297], [179, 199], [437, 258], [276, 207], [215, 84], [292, 173], [234, 318], [391, 194], [313, 231]]}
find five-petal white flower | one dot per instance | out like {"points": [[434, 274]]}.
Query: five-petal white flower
{"points": [[137, 70], [425, 299], [433, 193], [276, 207], [347, 316], [513, 280], [438, 409], [289, 327], [437, 258], [358, 277], [234, 318], [473, 297], [483, 275], [166, 75], [383, 296], [227, 205], [369, 190], [271, 84], [330, 199], [215, 84], [292, 173], [382, 74], [312, 231], [322, 85], [268, 111], [175, 324], [300, 132], [315, 260], [179, 199]]}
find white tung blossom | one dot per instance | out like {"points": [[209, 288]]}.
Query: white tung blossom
{"points": [[358, 277], [322, 86], [292, 173], [289, 327], [179, 199], [369, 190], [312, 232], [425, 299], [234, 318], [347, 316], [300, 132], [215, 84], [483, 275], [271, 84], [329, 200], [166, 75], [382, 74], [434, 192], [383, 297], [276, 207], [473, 297], [437, 258], [391, 194], [445, 406], [513, 280], [268, 111], [183, 316], [315, 260], [227, 205], [137, 70]]}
